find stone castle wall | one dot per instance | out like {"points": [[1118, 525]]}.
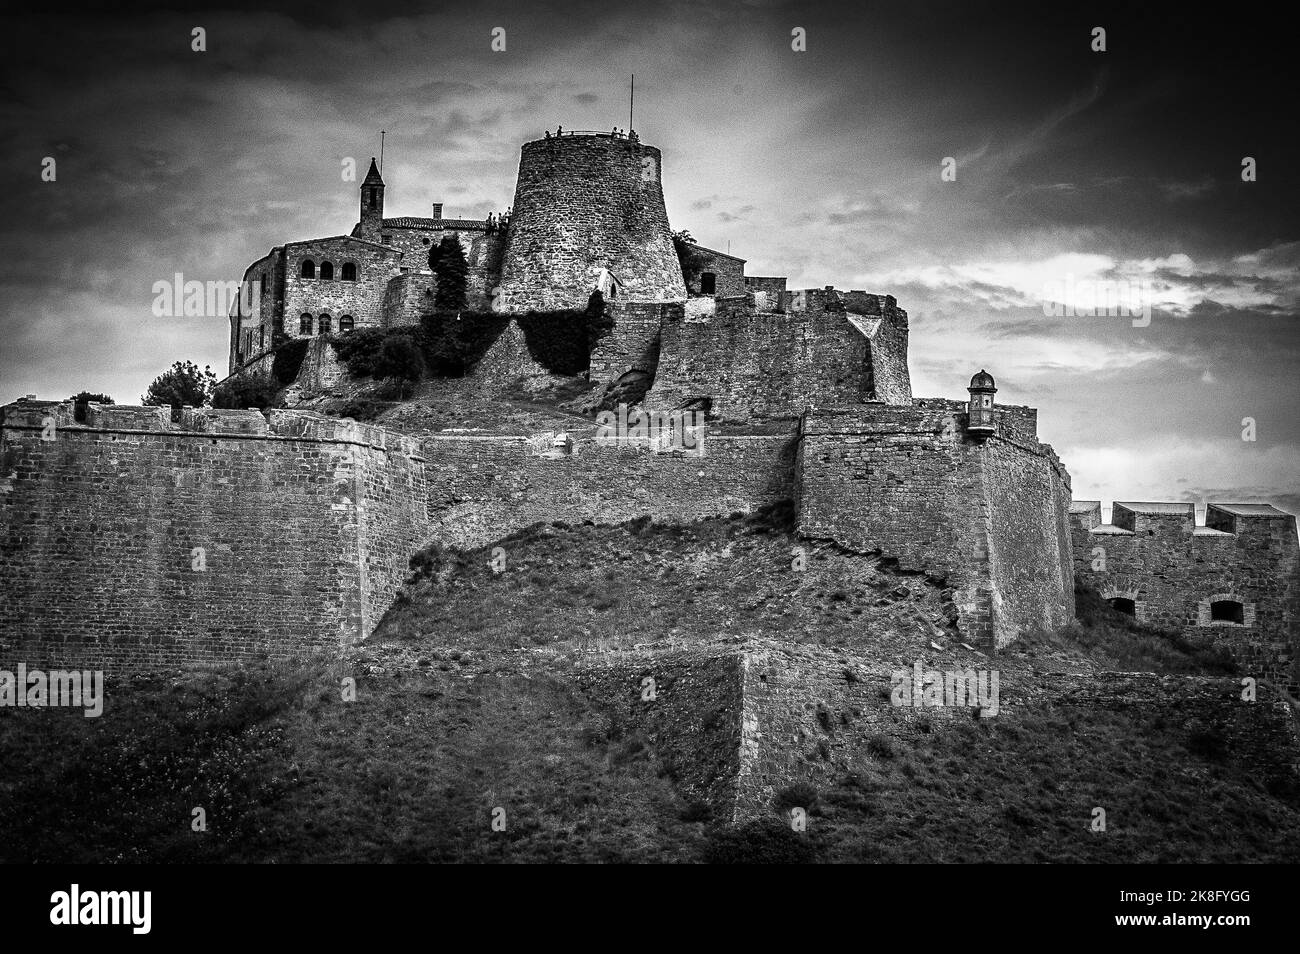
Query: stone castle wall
{"points": [[747, 365], [484, 488], [407, 297], [306, 523], [583, 203], [986, 518], [483, 254], [750, 364], [769, 293], [1173, 570], [305, 526]]}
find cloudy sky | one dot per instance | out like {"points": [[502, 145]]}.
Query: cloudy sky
{"points": [[1078, 173]]}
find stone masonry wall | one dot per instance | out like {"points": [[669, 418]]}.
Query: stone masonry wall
{"points": [[583, 203], [772, 288], [484, 488], [633, 345], [1028, 494], [306, 523], [362, 299], [890, 380], [306, 526], [1155, 555], [483, 254], [986, 518], [761, 365], [407, 297], [728, 273]]}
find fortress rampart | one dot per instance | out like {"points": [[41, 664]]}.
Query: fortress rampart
{"points": [[829, 349], [986, 517], [129, 540], [1234, 582], [306, 524]]}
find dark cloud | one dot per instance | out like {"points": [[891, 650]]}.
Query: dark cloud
{"points": [[823, 166]]}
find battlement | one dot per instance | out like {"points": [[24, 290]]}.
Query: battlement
{"points": [[1149, 517], [1233, 583]]}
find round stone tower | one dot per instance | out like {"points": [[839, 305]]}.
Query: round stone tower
{"points": [[586, 202]]}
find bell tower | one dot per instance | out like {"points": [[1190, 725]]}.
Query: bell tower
{"points": [[372, 204]]}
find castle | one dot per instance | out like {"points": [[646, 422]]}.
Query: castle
{"points": [[141, 537], [588, 213]]}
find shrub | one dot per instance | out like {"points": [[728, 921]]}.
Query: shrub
{"points": [[1210, 744], [400, 360], [361, 409], [454, 343], [243, 391], [799, 795], [452, 270], [91, 397], [181, 384], [359, 349], [691, 261], [288, 359], [696, 811], [880, 746], [81, 399]]}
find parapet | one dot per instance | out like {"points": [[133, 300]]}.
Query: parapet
{"points": [[1235, 518], [36, 415], [209, 420], [32, 415], [1147, 517]]}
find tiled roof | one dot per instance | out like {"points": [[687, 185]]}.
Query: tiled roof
{"points": [[714, 251], [415, 222]]}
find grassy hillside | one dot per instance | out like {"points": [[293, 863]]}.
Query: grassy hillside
{"points": [[480, 715], [644, 583]]}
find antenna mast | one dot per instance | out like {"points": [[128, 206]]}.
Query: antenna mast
{"points": [[631, 100], [381, 152]]}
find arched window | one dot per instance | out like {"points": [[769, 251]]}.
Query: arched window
{"points": [[345, 324], [323, 324], [708, 283], [1227, 611], [308, 268], [1122, 605], [349, 271], [304, 325], [327, 271]]}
